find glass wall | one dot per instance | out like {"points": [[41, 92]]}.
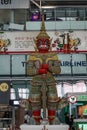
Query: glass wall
{"points": [[19, 90], [20, 16], [66, 14], [71, 87]]}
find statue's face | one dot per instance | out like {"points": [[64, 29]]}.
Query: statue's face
{"points": [[43, 45]]}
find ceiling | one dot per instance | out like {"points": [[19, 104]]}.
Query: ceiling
{"points": [[57, 3]]}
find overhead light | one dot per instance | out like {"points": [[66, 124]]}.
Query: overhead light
{"points": [[48, 7]]}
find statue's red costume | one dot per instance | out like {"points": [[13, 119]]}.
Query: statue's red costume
{"points": [[42, 65]]}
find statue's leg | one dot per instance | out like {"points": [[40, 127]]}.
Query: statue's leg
{"points": [[36, 113], [52, 100], [35, 100]]}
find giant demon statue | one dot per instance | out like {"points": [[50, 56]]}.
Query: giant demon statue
{"points": [[43, 65]]}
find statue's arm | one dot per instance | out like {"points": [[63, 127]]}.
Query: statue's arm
{"points": [[32, 67], [54, 66]]}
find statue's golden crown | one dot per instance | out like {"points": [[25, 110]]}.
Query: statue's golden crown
{"points": [[43, 33]]}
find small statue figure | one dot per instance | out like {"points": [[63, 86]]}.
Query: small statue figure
{"points": [[43, 65], [44, 128]]}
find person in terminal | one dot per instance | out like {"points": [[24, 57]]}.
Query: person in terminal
{"points": [[43, 65], [67, 118], [71, 121]]}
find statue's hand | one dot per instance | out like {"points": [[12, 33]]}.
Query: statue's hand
{"points": [[31, 68], [54, 66], [44, 69]]}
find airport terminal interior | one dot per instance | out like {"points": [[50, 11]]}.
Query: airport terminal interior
{"points": [[43, 64]]}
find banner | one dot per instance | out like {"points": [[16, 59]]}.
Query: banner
{"points": [[61, 41], [14, 4]]}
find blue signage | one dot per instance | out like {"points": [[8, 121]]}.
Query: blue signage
{"points": [[75, 63], [67, 63]]}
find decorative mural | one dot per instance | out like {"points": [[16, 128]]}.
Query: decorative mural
{"points": [[66, 42], [23, 42], [4, 42]]}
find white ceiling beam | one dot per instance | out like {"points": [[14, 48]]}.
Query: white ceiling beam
{"points": [[36, 4]]}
